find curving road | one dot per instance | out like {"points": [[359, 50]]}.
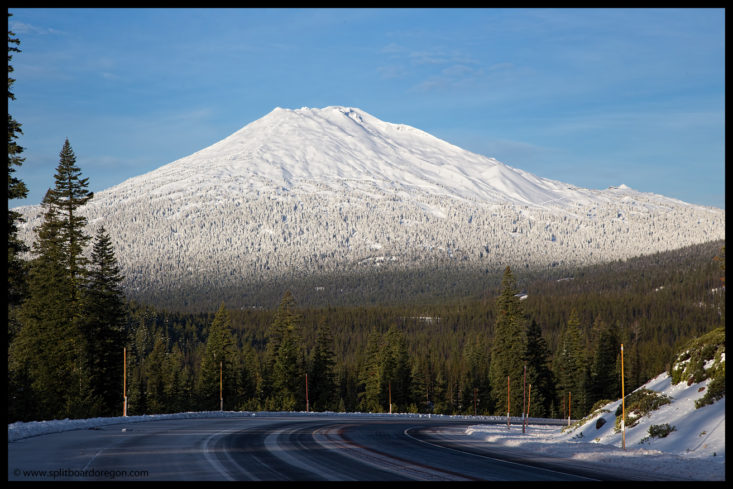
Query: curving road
{"points": [[279, 448]]}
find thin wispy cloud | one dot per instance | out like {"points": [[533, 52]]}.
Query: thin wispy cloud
{"points": [[24, 28]]}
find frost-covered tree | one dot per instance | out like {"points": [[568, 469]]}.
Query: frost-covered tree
{"points": [[170, 238]]}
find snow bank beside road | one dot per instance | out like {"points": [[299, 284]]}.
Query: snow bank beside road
{"points": [[20, 430], [695, 450]]}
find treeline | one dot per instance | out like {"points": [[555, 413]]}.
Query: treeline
{"points": [[430, 358], [426, 284], [451, 357]]}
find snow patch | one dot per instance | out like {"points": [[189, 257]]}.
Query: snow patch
{"points": [[695, 450]]}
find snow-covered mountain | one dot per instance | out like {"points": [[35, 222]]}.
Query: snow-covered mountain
{"points": [[309, 191]]}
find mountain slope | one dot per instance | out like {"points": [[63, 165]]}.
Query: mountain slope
{"points": [[347, 149], [312, 191]]}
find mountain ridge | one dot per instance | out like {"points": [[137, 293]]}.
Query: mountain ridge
{"points": [[307, 191], [355, 157]]}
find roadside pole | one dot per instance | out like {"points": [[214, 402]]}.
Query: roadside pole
{"points": [[124, 382], [221, 389], [529, 397], [390, 398], [307, 406], [508, 401], [623, 402], [524, 397]]}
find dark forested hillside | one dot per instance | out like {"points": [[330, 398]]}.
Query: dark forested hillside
{"points": [[433, 354], [439, 283]]}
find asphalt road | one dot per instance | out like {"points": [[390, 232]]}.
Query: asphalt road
{"points": [[274, 448]]}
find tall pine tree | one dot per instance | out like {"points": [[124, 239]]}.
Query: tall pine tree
{"points": [[219, 365], [508, 349], [18, 400], [572, 369], [17, 267], [477, 358], [323, 394], [396, 370], [69, 194], [370, 377], [49, 352], [285, 373], [104, 319], [539, 374]]}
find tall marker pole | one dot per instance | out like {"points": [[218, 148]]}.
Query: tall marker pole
{"points": [[221, 389], [623, 402], [124, 382], [570, 401], [390, 398], [307, 406], [508, 403], [524, 396], [563, 407], [529, 398], [474, 400]]}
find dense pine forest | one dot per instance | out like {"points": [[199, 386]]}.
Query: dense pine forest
{"points": [[435, 357], [430, 350]]}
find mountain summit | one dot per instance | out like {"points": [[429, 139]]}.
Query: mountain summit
{"points": [[333, 191], [346, 149]]}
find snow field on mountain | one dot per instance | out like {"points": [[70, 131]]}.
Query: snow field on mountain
{"points": [[310, 191]]}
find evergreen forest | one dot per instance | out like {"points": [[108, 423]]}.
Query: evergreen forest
{"points": [[75, 340]]}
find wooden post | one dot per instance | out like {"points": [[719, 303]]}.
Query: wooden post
{"points": [[524, 395], [570, 401], [474, 400], [623, 402], [307, 406], [508, 404], [221, 387], [390, 397], [124, 382], [529, 398]]}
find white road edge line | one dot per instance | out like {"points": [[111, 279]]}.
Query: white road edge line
{"points": [[492, 458], [331, 437], [273, 446], [211, 458], [93, 458]]}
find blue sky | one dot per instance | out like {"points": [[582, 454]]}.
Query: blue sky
{"points": [[589, 97]]}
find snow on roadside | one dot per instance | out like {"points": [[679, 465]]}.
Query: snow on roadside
{"points": [[20, 430], [695, 450]]}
